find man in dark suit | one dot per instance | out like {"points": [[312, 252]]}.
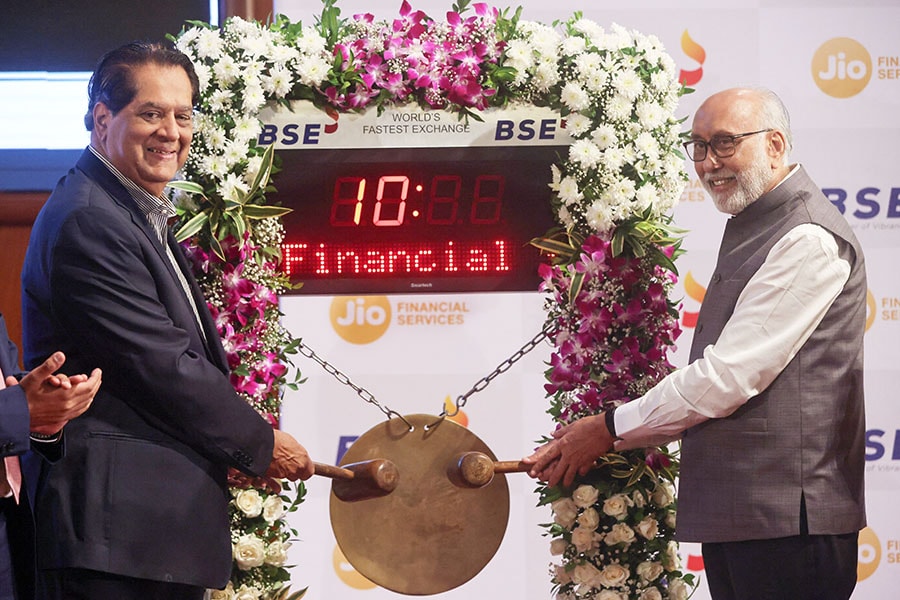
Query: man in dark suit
{"points": [[33, 411], [138, 508], [770, 410]]}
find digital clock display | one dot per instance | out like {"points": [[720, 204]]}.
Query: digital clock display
{"points": [[415, 219]]}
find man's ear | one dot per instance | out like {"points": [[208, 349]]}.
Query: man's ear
{"points": [[777, 145], [102, 115]]}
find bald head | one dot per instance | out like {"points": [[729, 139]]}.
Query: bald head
{"points": [[747, 134]]}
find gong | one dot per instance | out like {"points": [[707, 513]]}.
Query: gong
{"points": [[433, 531]]}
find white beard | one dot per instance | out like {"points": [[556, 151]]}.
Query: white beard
{"points": [[751, 184]]}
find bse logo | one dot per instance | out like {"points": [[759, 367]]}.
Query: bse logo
{"points": [[360, 320], [841, 67]]}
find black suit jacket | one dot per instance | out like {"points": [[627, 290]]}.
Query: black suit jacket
{"points": [[142, 489], [15, 537]]}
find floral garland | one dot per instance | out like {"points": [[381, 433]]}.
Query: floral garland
{"points": [[613, 252]]}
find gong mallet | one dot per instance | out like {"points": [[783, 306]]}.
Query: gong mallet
{"points": [[476, 469], [361, 481]]}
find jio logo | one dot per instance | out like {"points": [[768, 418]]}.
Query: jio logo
{"points": [[869, 553], [360, 319], [842, 67]]}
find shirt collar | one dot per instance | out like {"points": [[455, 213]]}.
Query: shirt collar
{"points": [[147, 202]]}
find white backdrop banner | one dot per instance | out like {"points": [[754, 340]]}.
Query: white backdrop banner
{"points": [[838, 71]]}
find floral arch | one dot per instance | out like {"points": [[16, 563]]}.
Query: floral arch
{"points": [[606, 286]]}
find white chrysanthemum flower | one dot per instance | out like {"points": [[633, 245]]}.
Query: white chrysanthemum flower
{"points": [[598, 216], [565, 217], [572, 46], [216, 138], [629, 85], [574, 97], [203, 75], [254, 99], [219, 100], [577, 124], [214, 165], [646, 144], [585, 153], [613, 158], [209, 44], [311, 41], [278, 82], [245, 128], [312, 70], [546, 75], [568, 191], [233, 189], [225, 71], [235, 152], [650, 115], [605, 136], [646, 196], [546, 41], [619, 108]]}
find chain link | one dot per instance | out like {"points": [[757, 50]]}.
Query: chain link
{"points": [[480, 385], [341, 377], [503, 367]]}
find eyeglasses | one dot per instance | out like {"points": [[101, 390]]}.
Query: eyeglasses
{"points": [[722, 145]]}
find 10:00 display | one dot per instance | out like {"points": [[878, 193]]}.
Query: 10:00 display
{"points": [[394, 204]]}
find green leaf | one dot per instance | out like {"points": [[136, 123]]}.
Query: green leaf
{"points": [[187, 186], [257, 211], [192, 227]]}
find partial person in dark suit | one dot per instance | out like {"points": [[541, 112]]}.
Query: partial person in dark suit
{"points": [[770, 409], [34, 408], [138, 507]]}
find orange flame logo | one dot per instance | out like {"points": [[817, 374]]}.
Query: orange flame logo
{"points": [[695, 51], [696, 292]]}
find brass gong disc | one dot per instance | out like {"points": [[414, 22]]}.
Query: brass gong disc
{"points": [[431, 534]]}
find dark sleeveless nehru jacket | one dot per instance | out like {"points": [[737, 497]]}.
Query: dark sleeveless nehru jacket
{"points": [[743, 476]]}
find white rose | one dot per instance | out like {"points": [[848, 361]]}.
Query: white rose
{"points": [[273, 509], [584, 539], [561, 575], [648, 528], [616, 506], [589, 519], [620, 533], [226, 594], [585, 496], [586, 574], [650, 594], [276, 553], [558, 546], [249, 552], [611, 595], [670, 519], [649, 571], [670, 559], [678, 590], [565, 512], [248, 593], [613, 575], [638, 499], [663, 495], [249, 502]]}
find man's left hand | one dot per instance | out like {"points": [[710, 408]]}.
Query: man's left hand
{"points": [[573, 451]]}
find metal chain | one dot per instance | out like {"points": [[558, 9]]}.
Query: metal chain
{"points": [[482, 383], [504, 366], [360, 391]]}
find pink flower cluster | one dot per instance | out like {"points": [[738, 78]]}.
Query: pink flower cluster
{"points": [[613, 336], [440, 64], [242, 309]]}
